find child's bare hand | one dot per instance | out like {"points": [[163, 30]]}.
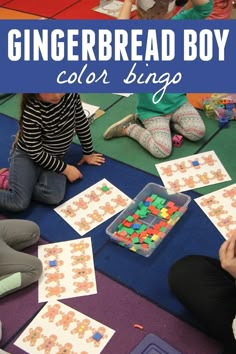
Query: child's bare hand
{"points": [[227, 256], [72, 173], [93, 159]]}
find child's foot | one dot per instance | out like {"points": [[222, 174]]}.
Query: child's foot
{"points": [[4, 173], [118, 129]]}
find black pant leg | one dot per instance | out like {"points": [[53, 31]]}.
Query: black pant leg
{"points": [[209, 293]]}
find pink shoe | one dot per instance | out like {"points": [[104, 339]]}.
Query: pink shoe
{"points": [[4, 173]]}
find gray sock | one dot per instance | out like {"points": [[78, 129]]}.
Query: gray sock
{"points": [[0, 329]]}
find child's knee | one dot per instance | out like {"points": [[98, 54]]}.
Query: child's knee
{"points": [[20, 205], [54, 198], [37, 269], [196, 133], [176, 273], [159, 151]]}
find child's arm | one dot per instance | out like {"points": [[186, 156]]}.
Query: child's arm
{"points": [[200, 10], [72, 173], [84, 134], [227, 256], [125, 10]]}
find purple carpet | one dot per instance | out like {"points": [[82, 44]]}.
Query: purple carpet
{"points": [[120, 308]]}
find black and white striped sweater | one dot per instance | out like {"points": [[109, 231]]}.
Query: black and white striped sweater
{"points": [[48, 129]]}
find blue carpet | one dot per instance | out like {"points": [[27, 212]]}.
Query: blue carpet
{"points": [[193, 234]]}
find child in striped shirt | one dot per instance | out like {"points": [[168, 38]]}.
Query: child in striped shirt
{"points": [[37, 168]]}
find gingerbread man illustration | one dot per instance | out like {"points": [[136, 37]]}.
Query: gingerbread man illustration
{"points": [[80, 259], [181, 167], [96, 216], [55, 291], [83, 224], [66, 319], [195, 164], [167, 171], [82, 272], [48, 344], [52, 312], [81, 204], [230, 193], [97, 336], [69, 212], [108, 208], [33, 336], [175, 185], [204, 178], [81, 328], [82, 286], [53, 277], [189, 182], [217, 211], [65, 349], [226, 222], [120, 201], [93, 197], [81, 246], [231, 233], [218, 175], [209, 201], [208, 160], [52, 251], [104, 189], [47, 266]]}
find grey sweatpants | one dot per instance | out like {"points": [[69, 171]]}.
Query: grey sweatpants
{"points": [[17, 269]]}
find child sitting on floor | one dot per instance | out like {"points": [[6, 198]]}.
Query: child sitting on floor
{"points": [[206, 286], [154, 134], [17, 269], [37, 169]]}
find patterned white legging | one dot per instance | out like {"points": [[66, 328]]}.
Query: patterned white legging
{"points": [[155, 134]]}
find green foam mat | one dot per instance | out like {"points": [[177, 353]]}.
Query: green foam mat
{"points": [[11, 106], [129, 151]]}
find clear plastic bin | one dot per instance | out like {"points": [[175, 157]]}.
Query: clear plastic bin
{"points": [[145, 223]]}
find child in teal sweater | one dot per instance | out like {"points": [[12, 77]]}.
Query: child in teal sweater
{"points": [[150, 126]]}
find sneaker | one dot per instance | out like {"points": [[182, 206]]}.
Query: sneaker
{"points": [[4, 173], [117, 129]]}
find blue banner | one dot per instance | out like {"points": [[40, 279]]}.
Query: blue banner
{"points": [[117, 56]]}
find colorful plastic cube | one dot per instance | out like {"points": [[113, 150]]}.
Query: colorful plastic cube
{"points": [[177, 140]]}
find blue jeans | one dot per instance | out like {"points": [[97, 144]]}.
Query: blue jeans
{"points": [[28, 181]]}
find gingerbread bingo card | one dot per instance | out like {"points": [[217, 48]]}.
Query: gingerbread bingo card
{"points": [[68, 270], [192, 172], [93, 206], [58, 328], [220, 207]]}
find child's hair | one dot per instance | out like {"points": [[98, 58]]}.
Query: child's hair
{"points": [[25, 99], [151, 9]]}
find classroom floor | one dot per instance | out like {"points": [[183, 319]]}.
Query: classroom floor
{"points": [[65, 9], [132, 305]]}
